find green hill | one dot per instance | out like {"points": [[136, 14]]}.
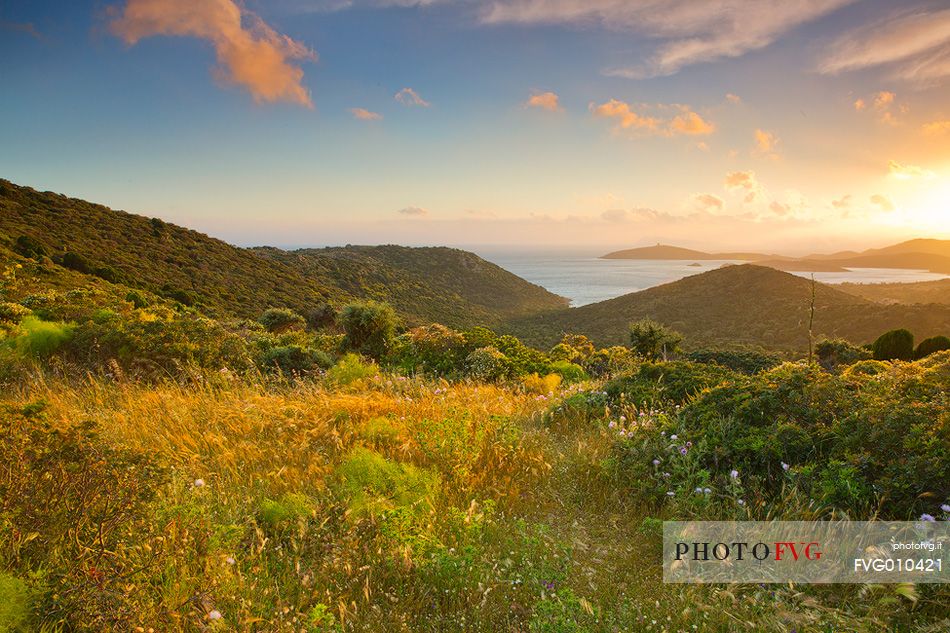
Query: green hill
{"points": [[426, 284], [734, 306], [906, 293], [662, 251]]}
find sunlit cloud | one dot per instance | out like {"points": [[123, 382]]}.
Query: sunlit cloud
{"points": [[545, 101], [692, 32], [409, 97], [735, 99], [365, 115], [249, 52], [913, 46], [641, 214], [842, 203], [708, 202], [882, 202], [766, 143], [745, 183], [416, 212], [908, 172], [936, 128], [626, 117], [884, 105]]}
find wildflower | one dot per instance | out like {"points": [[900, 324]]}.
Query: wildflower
{"points": [[707, 490], [785, 466], [229, 560], [623, 418], [945, 507], [683, 450], [674, 437], [699, 490], [663, 433], [199, 483], [612, 424], [656, 462], [214, 615], [927, 517], [741, 502], [670, 493], [689, 445], [734, 474], [666, 475]]}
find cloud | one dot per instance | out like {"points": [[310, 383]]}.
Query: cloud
{"points": [[249, 52], [843, 202], [409, 97], [745, 183], [780, 209], [908, 172], [691, 32], [416, 212], [365, 115], [766, 143], [882, 202], [709, 202], [686, 122], [640, 214], [913, 46], [731, 98], [545, 100], [936, 128], [884, 105]]}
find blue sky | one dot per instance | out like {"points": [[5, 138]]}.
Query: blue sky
{"points": [[805, 123]]}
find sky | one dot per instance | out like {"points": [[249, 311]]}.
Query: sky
{"points": [[790, 126]]}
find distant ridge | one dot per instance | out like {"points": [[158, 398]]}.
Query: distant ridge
{"points": [[738, 305], [663, 251]]}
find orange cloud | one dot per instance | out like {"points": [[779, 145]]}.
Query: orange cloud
{"points": [[249, 52], [936, 128], [409, 97], [766, 143], [745, 182], [709, 202], [365, 115], [884, 104], [882, 202], [736, 99], [859, 104], [687, 122], [908, 172], [546, 101]]}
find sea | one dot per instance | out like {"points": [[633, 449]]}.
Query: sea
{"points": [[584, 278]]}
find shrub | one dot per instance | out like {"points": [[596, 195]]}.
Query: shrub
{"points": [[280, 320], [569, 372], [834, 352], [746, 362], [488, 364], [322, 316], [15, 599], [289, 509], [369, 328], [610, 361], [29, 247], [894, 345], [75, 261], [41, 338], [434, 349], [350, 369], [653, 340], [292, 359], [670, 382], [931, 345], [371, 483], [13, 312]]}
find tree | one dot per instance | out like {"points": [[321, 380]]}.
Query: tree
{"points": [[368, 327], [834, 352], [894, 345], [653, 340], [932, 345], [280, 320]]}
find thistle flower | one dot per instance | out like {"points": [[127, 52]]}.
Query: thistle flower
{"points": [[945, 507], [656, 462], [674, 437], [734, 474], [612, 425], [927, 517], [785, 466], [199, 483], [683, 450], [214, 615]]}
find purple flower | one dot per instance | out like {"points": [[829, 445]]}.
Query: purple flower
{"points": [[663, 433], [785, 466], [674, 437], [734, 474], [667, 475], [689, 445], [656, 462], [927, 517], [699, 491], [612, 425], [683, 450], [945, 507], [707, 490]]}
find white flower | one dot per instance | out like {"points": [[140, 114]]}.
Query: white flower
{"points": [[670, 493], [623, 418], [707, 490], [199, 483], [741, 502], [734, 474], [214, 615], [699, 491], [674, 437], [229, 560], [785, 466]]}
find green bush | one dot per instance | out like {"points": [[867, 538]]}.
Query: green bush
{"points": [[13, 312], [569, 372], [294, 359], [350, 369], [894, 345], [610, 361], [369, 328], [670, 382], [75, 261], [41, 339], [931, 345], [280, 320], [488, 364], [29, 247], [15, 601], [745, 362], [652, 340], [371, 483], [276, 515], [433, 349], [832, 353]]}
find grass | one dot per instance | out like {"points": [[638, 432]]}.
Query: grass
{"points": [[392, 504]]}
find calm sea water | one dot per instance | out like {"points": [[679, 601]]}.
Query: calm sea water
{"points": [[584, 278]]}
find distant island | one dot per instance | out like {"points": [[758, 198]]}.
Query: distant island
{"points": [[920, 254]]}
